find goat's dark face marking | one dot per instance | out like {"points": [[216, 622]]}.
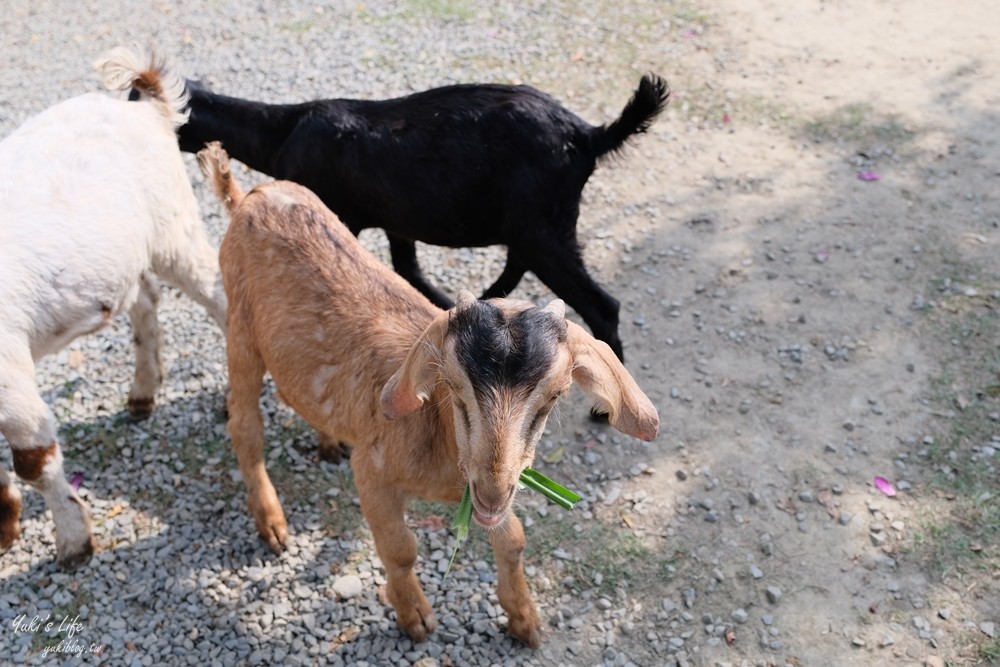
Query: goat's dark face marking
{"points": [[499, 350], [505, 368], [499, 367]]}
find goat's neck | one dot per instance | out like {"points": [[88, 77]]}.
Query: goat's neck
{"points": [[251, 132]]}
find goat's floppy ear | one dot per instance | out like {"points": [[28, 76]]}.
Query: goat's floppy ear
{"points": [[410, 386], [603, 378]]}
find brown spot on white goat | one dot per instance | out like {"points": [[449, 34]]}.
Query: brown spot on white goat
{"points": [[29, 463], [439, 398]]}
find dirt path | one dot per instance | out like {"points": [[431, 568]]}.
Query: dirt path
{"points": [[825, 274]]}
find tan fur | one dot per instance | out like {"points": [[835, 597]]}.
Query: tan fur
{"points": [[308, 304], [214, 163]]}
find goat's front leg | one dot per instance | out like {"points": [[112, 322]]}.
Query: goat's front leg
{"points": [[246, 429], [397, 547], [148, 340], [561, 268], [29, 427], [512, 588], [404, 260]]}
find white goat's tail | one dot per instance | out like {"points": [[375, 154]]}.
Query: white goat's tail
{"points": [[143, 70], [214, 163]]}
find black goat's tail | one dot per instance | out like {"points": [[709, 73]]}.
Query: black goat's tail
{"points": [[214, 163], [142, 70], [649, 99]]}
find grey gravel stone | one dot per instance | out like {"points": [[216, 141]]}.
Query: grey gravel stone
{"points": [[347, 587]]}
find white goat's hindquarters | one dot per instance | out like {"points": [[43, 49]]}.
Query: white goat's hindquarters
{"points": [[95, 199]]}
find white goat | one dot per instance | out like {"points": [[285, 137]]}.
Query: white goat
{"points": [[94, 198], [429, 399]]}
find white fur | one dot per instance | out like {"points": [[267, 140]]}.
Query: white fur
{"points": [[94, 199]]}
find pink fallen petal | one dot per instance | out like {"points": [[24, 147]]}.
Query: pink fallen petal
{"points": [[885, 486], [868, 176], [75, 480], [726, 118]]}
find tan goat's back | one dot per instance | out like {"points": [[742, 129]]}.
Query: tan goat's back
{"points": [[296, 274]]}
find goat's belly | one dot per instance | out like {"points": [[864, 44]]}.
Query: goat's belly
{"points": [[63, 320], [476, 235], [322, 395]]}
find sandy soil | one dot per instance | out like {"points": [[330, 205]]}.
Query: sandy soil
{"points": [[789, 289]]}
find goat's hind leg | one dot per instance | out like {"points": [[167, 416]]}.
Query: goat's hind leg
{"points": [[194, 270], [404, 261], [246, 428], [148, 341], [512, 588], [384, 509], [29, 427], [331, 449]]}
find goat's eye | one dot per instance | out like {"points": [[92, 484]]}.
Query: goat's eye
{"points": [[539, 417], [534, 423], [464, 414]]}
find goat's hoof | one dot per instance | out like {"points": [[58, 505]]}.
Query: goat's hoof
{"points": [[9, 535], [418, 624], [275, 533], [528, 631], [9, 532], [140, 408], [70, 559], [332, 450], [598, 417], [10, 516]]}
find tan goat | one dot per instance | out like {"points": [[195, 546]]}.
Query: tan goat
{"points": [[429, 399]]}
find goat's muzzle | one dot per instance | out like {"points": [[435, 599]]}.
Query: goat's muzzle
{"points": [[490, 506]]}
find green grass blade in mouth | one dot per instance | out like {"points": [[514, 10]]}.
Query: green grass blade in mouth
{"points": [[554, 491], [461, 525], [532, 479]]}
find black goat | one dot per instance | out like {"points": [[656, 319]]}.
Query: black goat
{"points": [[459, 166]]}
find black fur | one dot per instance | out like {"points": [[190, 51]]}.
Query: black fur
{"points": [[496, 352], [458, 166]]}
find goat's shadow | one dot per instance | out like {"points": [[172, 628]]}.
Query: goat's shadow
{"points": [[174, 534]]}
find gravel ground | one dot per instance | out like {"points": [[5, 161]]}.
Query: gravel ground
{"points": [[782, 313], [181, 577]]}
